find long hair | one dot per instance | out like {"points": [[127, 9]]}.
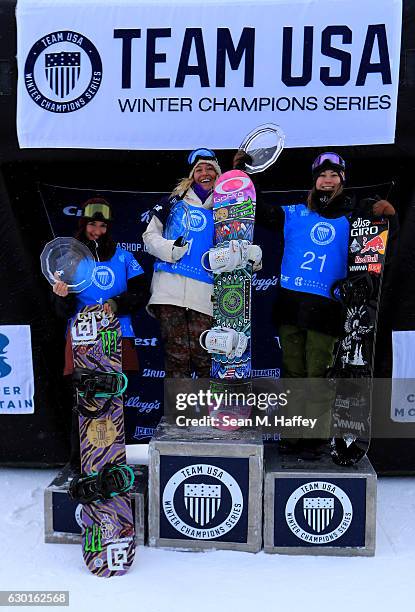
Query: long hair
{"points": [[182, 186], [312, 197], [106, 243]]}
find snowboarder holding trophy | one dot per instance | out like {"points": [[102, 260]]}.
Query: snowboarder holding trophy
{"points": [[179, 233], [118, 283]]}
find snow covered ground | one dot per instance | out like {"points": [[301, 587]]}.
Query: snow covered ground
{"points": [[169, 581]]}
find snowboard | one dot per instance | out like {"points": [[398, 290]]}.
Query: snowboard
{"points": [[352, 370], [234, 201], [108, 539]]}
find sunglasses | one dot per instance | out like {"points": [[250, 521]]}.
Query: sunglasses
{"points": [[200, 154], [331, 157]]}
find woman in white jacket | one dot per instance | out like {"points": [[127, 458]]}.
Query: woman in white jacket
{"points": [[181, 288]]}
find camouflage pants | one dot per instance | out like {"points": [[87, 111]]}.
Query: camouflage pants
{"points": [[180, 331]]}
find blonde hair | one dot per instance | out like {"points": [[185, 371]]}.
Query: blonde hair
{"points": [[182, 186], [311, 196]]}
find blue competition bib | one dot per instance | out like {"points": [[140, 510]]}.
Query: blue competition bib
{"points": [[110, 279], [200, 239], [315, 252]]}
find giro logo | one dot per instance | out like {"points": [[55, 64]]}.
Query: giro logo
{"points": [[5, 368], [319, 512], [103, 277], [322, 233], [63, 71], [202, 501]]}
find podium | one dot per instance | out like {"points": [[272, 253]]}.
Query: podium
{"points": [[318, 508], [205, 488]]}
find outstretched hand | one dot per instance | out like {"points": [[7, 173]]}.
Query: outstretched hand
{"points": [[383, 208]]}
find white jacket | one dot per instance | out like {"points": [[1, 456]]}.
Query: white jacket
{"points": [[175, 289]]}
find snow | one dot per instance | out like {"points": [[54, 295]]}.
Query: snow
{"points": [[169, 581]]}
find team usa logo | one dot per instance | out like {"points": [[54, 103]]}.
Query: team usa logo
{"points": [[202, 502], [63, 71], [319, 512], [198, 221], [103, 277], [322, 233]]}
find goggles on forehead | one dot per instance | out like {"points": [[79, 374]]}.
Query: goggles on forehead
{"points": [[200, 154], [328, 157], [97, 210]]}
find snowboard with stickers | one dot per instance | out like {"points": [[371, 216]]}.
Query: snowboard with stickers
{"points": [[108, 539], [352, 370], [231, 260]]}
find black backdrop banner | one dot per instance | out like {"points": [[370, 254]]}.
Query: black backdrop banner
{"points": [[143, 399]]}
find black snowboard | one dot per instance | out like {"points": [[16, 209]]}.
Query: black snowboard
{"points": [[352, 371]]}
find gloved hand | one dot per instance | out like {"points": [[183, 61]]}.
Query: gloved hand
{"points": [[240, 159], [255, 255], [180, 248], [383, 208]]}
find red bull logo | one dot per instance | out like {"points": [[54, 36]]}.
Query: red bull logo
{"points": [[375, 245]]}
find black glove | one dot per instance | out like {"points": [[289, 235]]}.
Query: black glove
{"points": [[241, 159]]}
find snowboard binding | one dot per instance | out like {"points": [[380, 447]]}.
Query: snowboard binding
{"points": [[224, 341], [347, 451], [100, 486], [233, 255], [89, 384], [358, 288]]}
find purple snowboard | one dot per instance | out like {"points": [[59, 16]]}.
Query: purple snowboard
{"points": [[108, 539]]}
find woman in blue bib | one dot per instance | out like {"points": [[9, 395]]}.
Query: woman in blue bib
{"points": [[118, 284], [315, 256], [181, 288]]}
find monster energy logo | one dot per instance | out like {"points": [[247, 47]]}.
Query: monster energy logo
{"points": [[109, 341], [93, 539], [243, 209]]}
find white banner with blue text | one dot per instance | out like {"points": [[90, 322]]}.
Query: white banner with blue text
{"points": [[179, 74], [16, 370]]}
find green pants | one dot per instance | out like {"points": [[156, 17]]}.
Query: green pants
{"points": [[306, 355]]}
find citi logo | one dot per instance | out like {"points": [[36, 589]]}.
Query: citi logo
{"points": [[72, 211]]}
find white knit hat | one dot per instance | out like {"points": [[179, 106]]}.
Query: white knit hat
{"points": [[212, 162]]}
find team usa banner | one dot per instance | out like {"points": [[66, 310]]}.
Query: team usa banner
{"points": [[168, 75]]}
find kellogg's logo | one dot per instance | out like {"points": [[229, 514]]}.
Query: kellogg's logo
{"points": [[262, 284]]}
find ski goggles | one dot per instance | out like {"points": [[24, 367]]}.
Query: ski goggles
{"points": [[197, 154], [97, 210], [330, 157]]}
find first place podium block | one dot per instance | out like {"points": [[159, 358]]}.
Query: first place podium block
{"points": [[318, 508], [205, 489]]}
